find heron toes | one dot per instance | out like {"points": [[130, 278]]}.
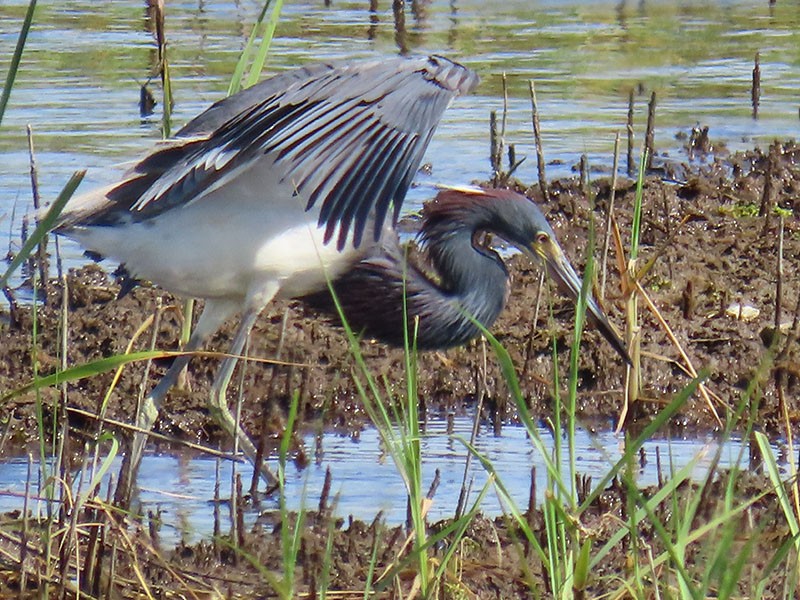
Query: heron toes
{"points": [[218, 408]]}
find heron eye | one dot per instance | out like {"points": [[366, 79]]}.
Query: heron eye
{"points": [[542, 238]]}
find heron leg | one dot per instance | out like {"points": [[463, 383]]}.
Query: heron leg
{"points": [[214, 314], [218, 404]]}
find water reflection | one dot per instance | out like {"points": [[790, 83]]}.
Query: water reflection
{"points": [[400, 35], [365, 481]]}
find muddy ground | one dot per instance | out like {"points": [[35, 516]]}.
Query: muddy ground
{"points": [[710, 244]]}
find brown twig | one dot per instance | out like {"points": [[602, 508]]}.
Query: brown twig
{"points": [[23, 551], [631, 167], [239, 517], [779, 277], [686, 361], [609, 213], [504, 119], [41, 250], [217, 483], [88, 414], [755, 90], [537, 138], [494, 145], [649, 136], [326, 491]]}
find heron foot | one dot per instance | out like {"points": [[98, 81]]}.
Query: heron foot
{"points": [[219, 410]]}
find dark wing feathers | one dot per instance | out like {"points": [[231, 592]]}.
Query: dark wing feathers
{"points": [[347, 138], [358, 203]]}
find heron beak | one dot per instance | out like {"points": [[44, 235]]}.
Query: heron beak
{"points": [[562, 272]]}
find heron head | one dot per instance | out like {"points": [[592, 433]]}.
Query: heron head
{"points": [[518, 220]]}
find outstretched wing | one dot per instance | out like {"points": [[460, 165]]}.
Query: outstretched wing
{"points": [[345, 138]]}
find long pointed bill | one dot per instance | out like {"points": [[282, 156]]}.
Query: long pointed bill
{"points": [[559, 268]]}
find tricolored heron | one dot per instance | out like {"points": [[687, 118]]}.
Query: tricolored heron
{"points": [[286, 186]]}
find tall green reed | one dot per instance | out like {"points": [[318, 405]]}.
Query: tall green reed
{"points": [[13, 67], [266, 31]]}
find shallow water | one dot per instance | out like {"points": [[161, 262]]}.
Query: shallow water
{"points": [[78, 85], [367, 481]]}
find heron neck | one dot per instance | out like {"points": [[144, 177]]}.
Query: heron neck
{"points": [[473, 285]]}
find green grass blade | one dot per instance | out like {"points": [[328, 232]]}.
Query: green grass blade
{"points": [[45, 225], [266, 41], [783, 552], [166, 116], [516, 513], [105, 465], [238, 72], [708, 528], [673, 550], [580, 577], [290, 537], [452, 533], [631, 449], [636, 225], [13, 68], [574, 359], [257, 563], [258, 63], [459, 528], [85, 370], [373, 564], [775, 477], [730, 564], [510, 377]]}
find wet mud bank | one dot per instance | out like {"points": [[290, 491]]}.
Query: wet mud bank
{"points": [[719, 259], [708, 261]]}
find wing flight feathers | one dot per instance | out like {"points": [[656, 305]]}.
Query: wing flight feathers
{"points": [[347, 139]]}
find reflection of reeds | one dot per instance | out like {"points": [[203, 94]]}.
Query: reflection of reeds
{"points": [[400, 33], [156, 14]]}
